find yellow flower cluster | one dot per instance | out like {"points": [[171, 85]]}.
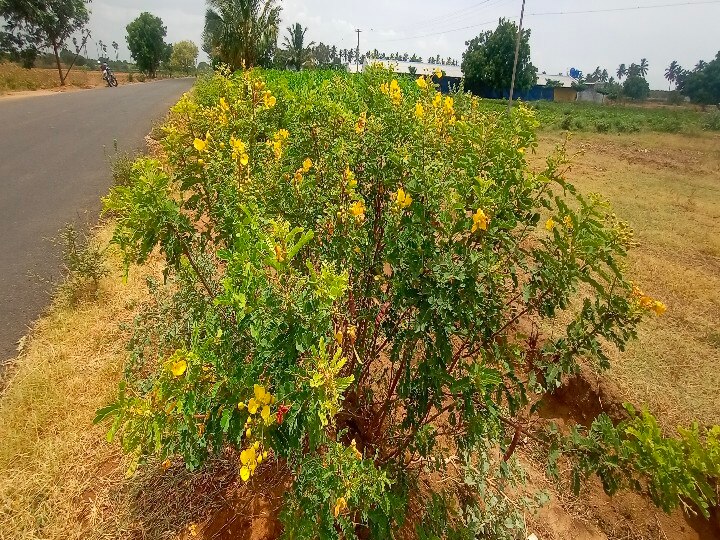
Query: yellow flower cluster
{"points": [[402, 199], [277, 143], [480, 221], [357, 210], [550, 224], [567, 220], [393, 91], [648, 303], [422, 83], [340, 506], [238, 151], [259, 415], [306, 166], [419, 110], [269, 100], [361, 123], [438, 73]]}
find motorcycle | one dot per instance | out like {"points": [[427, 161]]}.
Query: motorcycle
{"points": [[109, 77]]}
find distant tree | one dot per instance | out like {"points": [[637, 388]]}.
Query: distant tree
{"points": [[184, 56], [644, 66], [702, 85], [621, 72], [552, 83], [146, 41], [488, 60], [116, 46], [636, 87], [412, 70], [203, 67], [33, 25], [322, 54], [672, 72], [241, 33], [297, 53]]}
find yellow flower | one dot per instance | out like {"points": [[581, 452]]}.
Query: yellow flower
{"points": [[350, 177], [393, 91], [253, 405], [265, 414], [201, 162], [307, 164], [357, 210], [269, 100], [480, 221], [238, 151], [437, 100], [352, 333], [259, 459], [262, 395], [353, 445], [245, 457], [248, 432], [402, 199], [339, 337], [340, 506], [659, 308], [282, 135], [419, 110], [298, 177], [550, 224], [279, 253], [223, 104], [244, 474], [438, 73], [422, 83], [178, 368], [567, 220], [277, 148], [200, 145], [241, 406], [193, 529], [244, 160]]}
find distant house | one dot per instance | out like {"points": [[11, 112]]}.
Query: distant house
{"points": [[451, 78], [564, 91], [590, 93]]}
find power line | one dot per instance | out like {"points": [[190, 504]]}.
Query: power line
{"points": [[632, 8], [453, 16], [605, 10]]}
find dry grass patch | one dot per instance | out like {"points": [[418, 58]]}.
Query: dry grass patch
{"points": [[668, 188], [14, 78], [59, 478]]}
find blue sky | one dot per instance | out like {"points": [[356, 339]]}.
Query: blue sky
{"points": [[683, 33]]}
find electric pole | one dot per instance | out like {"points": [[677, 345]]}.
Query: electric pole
{"points": [[517, 53], [357, 53]]}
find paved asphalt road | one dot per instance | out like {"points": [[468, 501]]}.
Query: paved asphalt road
{"points": [[54, 167]]}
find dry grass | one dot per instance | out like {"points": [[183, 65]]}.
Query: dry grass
{"points": [[14, 77], [668, 188], [59, 478]]}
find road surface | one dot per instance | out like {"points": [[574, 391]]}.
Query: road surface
{"points": [[54, 167]]}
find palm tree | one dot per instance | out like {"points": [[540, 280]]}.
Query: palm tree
{"points": [[621, 72], [644, 67], [241, 33], [700, 65], [298, 54], [672, 72]]}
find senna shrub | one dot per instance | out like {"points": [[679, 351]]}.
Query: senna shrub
{"points": [[359, 273]]}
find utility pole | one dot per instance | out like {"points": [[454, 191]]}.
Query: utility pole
{"points": [[357, 53], [517, 53]]}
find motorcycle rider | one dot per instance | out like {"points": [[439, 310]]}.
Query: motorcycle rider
{"points": [[104, 69]]}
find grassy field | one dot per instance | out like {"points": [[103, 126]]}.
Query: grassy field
{"points": [[619, 118], [15, 78], [668, 188]]}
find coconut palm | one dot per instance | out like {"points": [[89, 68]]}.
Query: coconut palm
{"points": [[621, 72], [241, 33], [298, 55], [672, 72], [644, 66], [700, 65]]}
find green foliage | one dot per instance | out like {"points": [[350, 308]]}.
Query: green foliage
{"points": [[183, 57], [636, 87], [702, 85], [146, 41], [488, 60], [354, 258], [712, 121], [635, 454], [241, 33]]}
